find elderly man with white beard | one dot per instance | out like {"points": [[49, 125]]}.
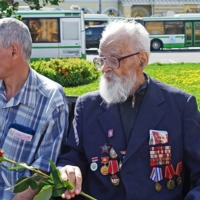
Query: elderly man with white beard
{"points": [[109, 153]]}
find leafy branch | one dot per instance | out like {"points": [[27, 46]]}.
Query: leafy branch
{"points": [[7, 9], [51, 185]]}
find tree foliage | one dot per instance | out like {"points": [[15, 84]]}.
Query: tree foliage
{"points": [[8, 9]]}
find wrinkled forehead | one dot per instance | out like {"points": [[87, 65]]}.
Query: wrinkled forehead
{"points": [[113, 45]]}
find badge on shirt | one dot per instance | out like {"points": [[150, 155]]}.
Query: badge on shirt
{"points": [[158, 137], [20, 135]]}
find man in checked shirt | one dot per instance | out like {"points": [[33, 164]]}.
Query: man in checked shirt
{"points": [[33, 110]]}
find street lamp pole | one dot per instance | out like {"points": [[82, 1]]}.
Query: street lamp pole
{"points": [[99, 6]]}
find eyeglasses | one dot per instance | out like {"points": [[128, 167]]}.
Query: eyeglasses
{"points": [[112, 61]]}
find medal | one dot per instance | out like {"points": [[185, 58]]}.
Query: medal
{"points": [[160, 155], [113, 153], [156, 175], [179, 180], [120, 162], [169, 173], [158, 187], [105, 148], [104, 168], [93, 165], [110, 133], [114, 180], [170, 184], [179, 169], [113, 168]]}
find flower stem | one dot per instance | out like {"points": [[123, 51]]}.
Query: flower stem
{"points": [[86, 195]]}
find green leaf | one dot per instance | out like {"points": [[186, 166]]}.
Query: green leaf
{"points": [[57, 192], [67, 184], [21, 185], [52, 165], [45, 193], [33, 184], [55, 176], [36, 177], [44, 183]]}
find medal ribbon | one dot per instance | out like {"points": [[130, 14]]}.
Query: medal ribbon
{"points": [[156, 174], [179, 168], [169, 171], [94, 159], [113, 167], [104, 160]]}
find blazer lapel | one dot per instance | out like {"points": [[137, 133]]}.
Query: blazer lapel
{"points": [[110, 120], [148, 117]]}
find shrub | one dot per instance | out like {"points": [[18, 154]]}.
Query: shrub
{"points": [[67, 71]]}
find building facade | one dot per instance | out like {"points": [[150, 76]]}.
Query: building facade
{"points": [[132, 8]]}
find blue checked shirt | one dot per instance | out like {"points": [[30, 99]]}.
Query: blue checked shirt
{"points": [[41, 106]]}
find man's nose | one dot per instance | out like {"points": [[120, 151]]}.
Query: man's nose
{"points": [[105, 67]]}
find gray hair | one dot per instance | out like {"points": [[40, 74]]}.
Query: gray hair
{"points": [[128, 31], [15, 31]]}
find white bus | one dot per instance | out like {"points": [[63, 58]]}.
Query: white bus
{"points": [[178, 31], [55, 34], [175, 31], [98, 19]]}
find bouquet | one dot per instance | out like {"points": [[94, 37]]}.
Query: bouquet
{"points": [[51, 185]]}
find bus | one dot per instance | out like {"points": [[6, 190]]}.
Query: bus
{"points": [[98, 19], [55, 33], [178, 31], [174, 31], [95, 19]]}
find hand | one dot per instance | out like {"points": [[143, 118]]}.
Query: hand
{"points": [[74, 176]]}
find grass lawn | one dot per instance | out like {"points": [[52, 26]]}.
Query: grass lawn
{"points": [[185, 76]]}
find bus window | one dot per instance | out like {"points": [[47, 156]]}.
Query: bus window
{"points": [[92, 23], [173, 27], [197, 31], [44, 30], [73, 34], [155, 28], [188, 30]]}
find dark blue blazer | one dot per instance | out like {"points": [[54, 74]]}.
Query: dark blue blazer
{"points": [[163, 108]]}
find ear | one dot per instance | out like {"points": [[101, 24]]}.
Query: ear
{"points": [[15, 51], [143, 59]]}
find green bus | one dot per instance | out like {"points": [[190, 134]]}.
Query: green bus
{"points": [[178, 31]]}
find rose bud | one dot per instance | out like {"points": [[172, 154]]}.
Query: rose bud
{"points": [[1, 153]]}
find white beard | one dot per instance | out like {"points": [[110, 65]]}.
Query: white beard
{"points": [[118, 89]]}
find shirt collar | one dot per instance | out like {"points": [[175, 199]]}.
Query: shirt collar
{"points": [[26, 95]]}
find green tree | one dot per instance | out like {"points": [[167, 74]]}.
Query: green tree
{"points": [[7, 8]]}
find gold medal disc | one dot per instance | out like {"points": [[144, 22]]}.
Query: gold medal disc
{"points": [[104, 170], [179, 180], [114, 180], [170, 184], [158, 187]]}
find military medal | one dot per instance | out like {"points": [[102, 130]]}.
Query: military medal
{"points": [[104, 168], [179, 169], [156, 175], [113, 153], [133, 101], [169, 173], [170, 184], [120, 162], [160, 155], [114, 180], [105, 148], [113, 168], [93, 165], [110, 133]]}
